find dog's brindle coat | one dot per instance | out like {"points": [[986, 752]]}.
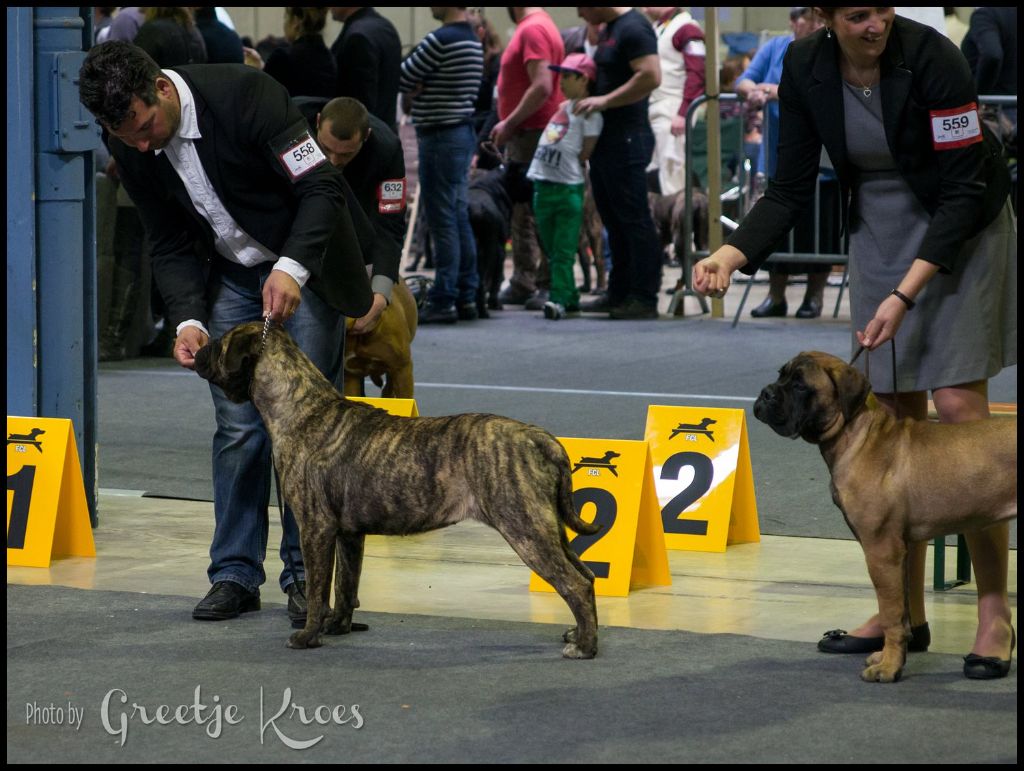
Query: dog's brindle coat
{"points": [[896, 481], [348, 470]]}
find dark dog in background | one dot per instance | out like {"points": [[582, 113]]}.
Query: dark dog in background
{"points": [[490, 216], [896, 481], [350, 470]]}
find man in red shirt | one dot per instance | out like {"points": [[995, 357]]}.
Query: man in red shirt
{"points": [[528, 95]]}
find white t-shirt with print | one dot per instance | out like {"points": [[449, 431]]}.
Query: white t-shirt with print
{"points": [[558, 154]]}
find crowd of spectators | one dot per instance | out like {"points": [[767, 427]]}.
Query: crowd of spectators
{"points": [[477, 105]]}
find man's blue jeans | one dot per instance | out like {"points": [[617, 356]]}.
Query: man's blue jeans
{"points": [[619, 178], [241, 446], [444, 155]]}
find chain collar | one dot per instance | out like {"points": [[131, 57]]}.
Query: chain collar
{"points": [[263, 345], [263, 340]]}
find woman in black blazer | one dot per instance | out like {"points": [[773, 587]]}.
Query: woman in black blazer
{"points": [[925, 203], [306, 66]]}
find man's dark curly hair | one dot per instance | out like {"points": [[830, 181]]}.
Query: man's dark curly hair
{"points": [[112, 74]]}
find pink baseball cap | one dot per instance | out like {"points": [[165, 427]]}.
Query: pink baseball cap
{"points": [[580, 63]]}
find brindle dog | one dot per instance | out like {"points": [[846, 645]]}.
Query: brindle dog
{"points": [[349, 470], [896, 481]]}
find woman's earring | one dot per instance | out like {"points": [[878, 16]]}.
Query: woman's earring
{"points": [[828, 32]]}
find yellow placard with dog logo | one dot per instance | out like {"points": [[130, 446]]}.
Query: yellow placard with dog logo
{"points": [[47, 515], [403, 408], [703, 476], [613, 485]]}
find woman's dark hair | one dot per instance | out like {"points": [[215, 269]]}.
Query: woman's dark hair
{"points": [[181, 15], [311, 20], [114, 73]]}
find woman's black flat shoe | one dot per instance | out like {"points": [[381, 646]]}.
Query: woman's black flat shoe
{"points": [[989, 667], [838, 641], [769, 309], [809, 309]]}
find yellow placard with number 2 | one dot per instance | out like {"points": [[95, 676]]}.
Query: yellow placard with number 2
{"points": [[613, 486], [703, 476]]}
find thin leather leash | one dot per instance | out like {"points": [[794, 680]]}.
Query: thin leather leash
{"points": [[867, 372]]}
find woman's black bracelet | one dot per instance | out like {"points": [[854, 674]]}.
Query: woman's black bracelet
{"points": [[909, 303]]}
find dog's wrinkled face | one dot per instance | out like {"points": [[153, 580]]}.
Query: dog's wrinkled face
{"points": [[229, 361], [815, 395]]}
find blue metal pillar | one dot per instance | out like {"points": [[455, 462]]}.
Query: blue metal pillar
{"points": [[51, 251], [21, 225]]}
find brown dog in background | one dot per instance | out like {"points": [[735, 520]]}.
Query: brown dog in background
{"points": [[669, 215], [897, 482], [384, 354], [590, 249]]}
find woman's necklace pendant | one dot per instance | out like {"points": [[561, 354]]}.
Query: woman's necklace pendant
{"points": [[867, 93]]}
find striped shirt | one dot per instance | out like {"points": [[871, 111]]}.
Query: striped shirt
{"points": [[449, 64]]}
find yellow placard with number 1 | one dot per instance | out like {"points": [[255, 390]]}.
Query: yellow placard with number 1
{"points": [[613, 485], [47, 515], [703, 476]]}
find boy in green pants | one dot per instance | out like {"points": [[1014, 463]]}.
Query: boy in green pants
{"points": [[557, 175]]}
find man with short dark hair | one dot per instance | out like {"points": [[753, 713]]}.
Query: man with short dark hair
{"points": [[370, 156], [246, 218]]}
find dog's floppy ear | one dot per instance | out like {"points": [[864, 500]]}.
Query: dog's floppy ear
{"points": [[241, 349], [852, 388]]}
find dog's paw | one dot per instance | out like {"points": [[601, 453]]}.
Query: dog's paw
{"points": [[873, 659], [336, 625], [304, 639], [878, 673], [573, 651], [570, 635]]}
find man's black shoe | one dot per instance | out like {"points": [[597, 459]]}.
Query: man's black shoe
{"points": [[600, 304], [633, 310], [468, 312], [536, 300], [434, 315], [225, 600], [513, 295], [297, 603]]}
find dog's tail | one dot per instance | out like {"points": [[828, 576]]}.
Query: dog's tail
{"points": [[566, 510]]}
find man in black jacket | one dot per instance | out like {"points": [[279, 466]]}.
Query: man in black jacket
{"points": [[246, 218], [368, 53], [371, 158]]}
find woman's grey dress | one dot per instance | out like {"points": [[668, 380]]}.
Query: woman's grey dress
{"points": [[964, 325]]}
